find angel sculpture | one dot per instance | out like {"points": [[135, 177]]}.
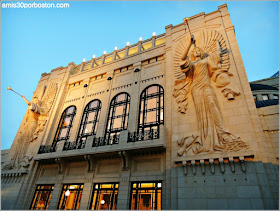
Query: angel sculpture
{"points": [[34, 123], [195, 74]]}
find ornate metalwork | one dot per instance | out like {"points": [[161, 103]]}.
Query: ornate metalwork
{"points": [[65, 124], [142, 136], [118, 115], [90, 120], [74, 145], [104, 142], [46, 149]]}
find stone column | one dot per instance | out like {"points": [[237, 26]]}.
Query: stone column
{"points": [[124, 192], [87, 193], [167, 194], [56, 193]]}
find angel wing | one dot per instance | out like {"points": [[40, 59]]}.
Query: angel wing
{"points": [[210, 42], [49, 96], [180, 48]]}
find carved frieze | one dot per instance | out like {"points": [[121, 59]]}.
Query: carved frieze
{"points": [[199, 64]]}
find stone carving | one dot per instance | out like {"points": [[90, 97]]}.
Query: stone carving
{"points": [[34, 123], [210, 62]]}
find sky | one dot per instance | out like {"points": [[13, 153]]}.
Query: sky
{"points": [[34, 41]]}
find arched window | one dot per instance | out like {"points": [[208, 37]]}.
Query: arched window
{"points": [[118, 117], [150, 112], [89, 122], [65, 124]]}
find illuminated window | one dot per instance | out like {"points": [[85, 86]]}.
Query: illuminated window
{"points": [[105, 197], [265, 97], [42, 197], [70, 197], [65, 124], [118, 116], [276, 97], [90, 120], [151, 112], [146, 196]]}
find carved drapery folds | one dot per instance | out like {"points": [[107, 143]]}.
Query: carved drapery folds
{"points": [[197, 65]]}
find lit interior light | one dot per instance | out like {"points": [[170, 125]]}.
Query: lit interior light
{"points": [[84, 60], [96, 186], [102, 201], [140, 38], [94, 56], [159, 185], [104, 52], [154, 34], [72, 187], [116, 48], [67, 193], [161, 115], [127, 43]]}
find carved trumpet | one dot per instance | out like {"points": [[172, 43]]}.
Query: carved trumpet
{"points": [[9, 88]]}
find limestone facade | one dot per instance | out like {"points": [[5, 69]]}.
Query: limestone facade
{"points": [[246, 178]]}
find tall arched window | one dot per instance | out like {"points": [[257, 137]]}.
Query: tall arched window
{"points": [[65, 124], [118, 117], [150, 112], [89, 122]]}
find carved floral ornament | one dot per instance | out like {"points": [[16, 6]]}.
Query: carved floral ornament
{"points": [[199, 63]]}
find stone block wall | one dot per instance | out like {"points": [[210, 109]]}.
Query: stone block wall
{"points": [[252, 189]]}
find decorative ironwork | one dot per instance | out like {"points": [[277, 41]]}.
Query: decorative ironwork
{"points": [[89, 120], [65, 124], [104, 142], [151, 114], [46, 149], [118, 115], [75, 145], [143, 135]]}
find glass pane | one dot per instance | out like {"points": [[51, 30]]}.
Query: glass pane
{"points": [[159, 200], [147, 196], [117, 123], [91, 116], [67, 121], [105, 198], [152, 103], [161, 115], [93, 104], [70, 110], [265, 97], [151, 116], [152, 89], [63, 133], [42, 197], [141, 118], [276, 97], [71, 201], [121, 97], [119, 110]]}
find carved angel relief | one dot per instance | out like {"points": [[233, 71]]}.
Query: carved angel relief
{"points": [[194, 73], [34, 123]]}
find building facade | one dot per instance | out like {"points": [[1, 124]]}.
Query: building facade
{"points": [[167, 123]]}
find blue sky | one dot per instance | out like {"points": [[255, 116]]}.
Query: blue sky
{"points": [[34, 41]]}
